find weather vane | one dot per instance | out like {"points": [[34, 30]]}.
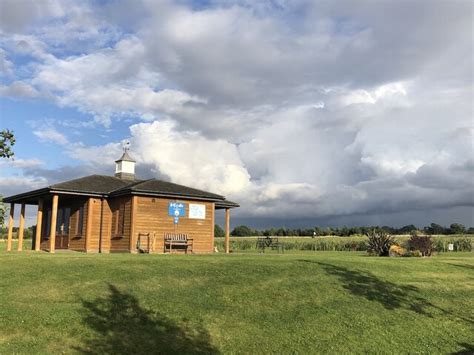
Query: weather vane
{"points": [[126, 146]]}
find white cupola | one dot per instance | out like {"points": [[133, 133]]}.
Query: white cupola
{"points": [[125, 166]]}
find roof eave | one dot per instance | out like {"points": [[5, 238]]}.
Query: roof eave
{"points": [[26, 195], [162, 194], [226, 204], [48, 190]]}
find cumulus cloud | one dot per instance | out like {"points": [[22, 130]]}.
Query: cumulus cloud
{"points": [[188, 158], [18, 89], [50, 134], [22, 163], [17, 16], [298, 109]]}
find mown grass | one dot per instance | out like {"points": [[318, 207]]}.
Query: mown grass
{"points": [[307, 302]]}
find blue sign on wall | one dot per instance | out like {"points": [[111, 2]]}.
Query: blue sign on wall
{"points": [[176, 220], [176, 209]]}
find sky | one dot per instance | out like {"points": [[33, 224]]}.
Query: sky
{"points": [[306, 113]]}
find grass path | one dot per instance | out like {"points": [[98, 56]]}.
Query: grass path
{"points": [[316, 302]]}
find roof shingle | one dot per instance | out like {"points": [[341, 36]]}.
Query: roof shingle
{"points": [[93, 183], [167, 188]]}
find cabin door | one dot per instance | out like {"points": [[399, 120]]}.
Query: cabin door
{"points": [[62, 228]]}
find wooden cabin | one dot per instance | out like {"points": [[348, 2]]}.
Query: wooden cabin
{"points": [[102, 214]]}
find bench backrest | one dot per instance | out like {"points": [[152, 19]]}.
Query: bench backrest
{"points": [[176, 236]]}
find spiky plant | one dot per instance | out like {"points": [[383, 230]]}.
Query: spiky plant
{"points": [[379, 243]]}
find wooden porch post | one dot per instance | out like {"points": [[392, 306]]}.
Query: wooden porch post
{"points": [[213, 223], [132, 224], [21, 229], [11, 221], [52, 233], [227, 230], [89, 223], [39, 222]]}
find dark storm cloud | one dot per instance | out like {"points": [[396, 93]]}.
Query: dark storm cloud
{"points": [[299, 110]]}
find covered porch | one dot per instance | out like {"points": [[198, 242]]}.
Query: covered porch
{"points": [[62, 221], [226, 205]]}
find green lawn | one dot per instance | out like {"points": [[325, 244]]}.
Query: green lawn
{"points": [[313, 302]]}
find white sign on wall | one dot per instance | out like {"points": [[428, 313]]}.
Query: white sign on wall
{"points": [[197, 211]]}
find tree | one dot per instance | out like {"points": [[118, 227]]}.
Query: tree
{"points": [[318, 231], [435, 229], [3, 212], [7, 141], [218, 231], [242, 231], [457, 228], [408, 229]]}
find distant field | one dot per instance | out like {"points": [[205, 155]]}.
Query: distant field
{"points": [[332, 243], [307, 302], [328, 243]]}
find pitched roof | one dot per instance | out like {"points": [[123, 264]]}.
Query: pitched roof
{"points": [[126, 157], [111, 186], [93, 183], [160, 187]]}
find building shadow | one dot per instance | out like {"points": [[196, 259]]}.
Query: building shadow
{"points": [[122, 326], [388, 294]]}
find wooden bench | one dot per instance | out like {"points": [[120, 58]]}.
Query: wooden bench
{"points": [[145, 242], [179, 240], [269, 242]]}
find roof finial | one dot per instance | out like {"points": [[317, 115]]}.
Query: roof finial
{"points": [[126, 146]]}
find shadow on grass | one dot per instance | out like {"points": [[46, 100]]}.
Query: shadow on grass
{"points": [[124, 327], [388, 294], [467, 349], [464, 266]]}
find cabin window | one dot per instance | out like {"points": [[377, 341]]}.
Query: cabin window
{"points": [[47, 225], [80, 221], [59, 222], [119, 219], [62, 221]]}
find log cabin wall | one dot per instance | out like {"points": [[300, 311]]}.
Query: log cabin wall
{"points": [[106, 226], [119, 214], [99, 209], [77, 240], [77, 229], [152, 217]]}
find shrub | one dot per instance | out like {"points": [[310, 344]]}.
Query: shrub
{"points": [[379, 243], [396, 250], [422, 243], [415, 253]]}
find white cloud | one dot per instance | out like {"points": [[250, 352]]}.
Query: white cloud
{"points": [[22, 163], [18, 89], [50, 134], [18, 15], [10, 185], [392, 91], [6, 66], [304, 109], [100, 155], [189, 158]]}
